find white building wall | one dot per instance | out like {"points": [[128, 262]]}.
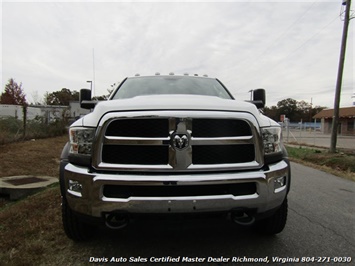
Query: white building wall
{"points": [[76, 110], [11, 111], [49, 112]]}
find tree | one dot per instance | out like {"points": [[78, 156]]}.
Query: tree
{"points": [[304, 110], [103, 97], [272, 112], [289, 108], [62, 97], [317, 109], [13, 94], [294, 110]]}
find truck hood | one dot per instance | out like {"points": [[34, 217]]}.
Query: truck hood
{"points": [[171, 102]]}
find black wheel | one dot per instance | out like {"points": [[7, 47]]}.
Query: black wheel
{"points": [[275, 223], [74, 227]]}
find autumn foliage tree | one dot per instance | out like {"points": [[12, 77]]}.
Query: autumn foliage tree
{"points": [[13, 94]]}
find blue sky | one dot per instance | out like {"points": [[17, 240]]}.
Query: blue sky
{"points": [[290, 48]]}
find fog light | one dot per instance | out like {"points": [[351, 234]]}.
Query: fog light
{"points": [[75, 188], [279, 184]]}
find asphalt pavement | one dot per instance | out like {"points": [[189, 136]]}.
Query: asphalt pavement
{"points": [[320, 230]]}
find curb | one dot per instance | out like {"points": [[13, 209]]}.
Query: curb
{"points": [[21, 186]]}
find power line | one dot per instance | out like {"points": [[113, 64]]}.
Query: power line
{"points": [[276, 40], [296, 49], [305, 42], [296, 21]]}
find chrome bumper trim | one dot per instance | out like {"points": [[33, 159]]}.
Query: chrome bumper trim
{"points": [[92, 201]]}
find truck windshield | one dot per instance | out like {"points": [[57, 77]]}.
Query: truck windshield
{"points": [[171, 85]]}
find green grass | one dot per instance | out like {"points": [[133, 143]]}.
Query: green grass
{"points": [[31, 231], [342, 162]]}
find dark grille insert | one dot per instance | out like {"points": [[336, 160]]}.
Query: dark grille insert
{"points": [[215, 154], [127, 154], [117, 191], [139, 128], [220, 128], [159, 154]]}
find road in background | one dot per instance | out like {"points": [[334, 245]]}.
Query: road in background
{"points": [[316, 138]]}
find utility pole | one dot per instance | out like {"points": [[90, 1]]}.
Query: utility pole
{"points": [[93, 72], [333, 140]]}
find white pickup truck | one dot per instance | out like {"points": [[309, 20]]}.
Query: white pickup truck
{"points": [[170, 144]]}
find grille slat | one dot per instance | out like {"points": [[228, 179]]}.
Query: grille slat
{"points": [[148, 141]]}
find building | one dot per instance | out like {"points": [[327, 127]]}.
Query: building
{"points": [[48, 112], [76, 111], [346, 120]]}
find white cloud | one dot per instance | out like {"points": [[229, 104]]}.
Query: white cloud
{"points": [[289, 47]]}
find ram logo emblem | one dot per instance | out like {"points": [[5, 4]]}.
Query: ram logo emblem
{"points": [[180, 141]]}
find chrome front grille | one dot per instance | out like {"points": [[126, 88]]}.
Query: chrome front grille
{"points": [[177, 141]]}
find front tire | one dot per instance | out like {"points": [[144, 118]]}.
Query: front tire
{"points": [[275, 223], [74, 227]]}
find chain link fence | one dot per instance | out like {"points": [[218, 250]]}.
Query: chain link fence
{"points": [[24, 127]]}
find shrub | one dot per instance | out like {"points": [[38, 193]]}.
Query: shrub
{"points": [[11, 129]]}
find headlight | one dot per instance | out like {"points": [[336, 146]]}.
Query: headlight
{"points": [[81, 140], [271, 140]]}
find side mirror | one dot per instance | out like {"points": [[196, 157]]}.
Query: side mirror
{"points": [[85, 99], [259, 98]]}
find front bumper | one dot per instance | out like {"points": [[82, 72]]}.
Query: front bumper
{"points": [[90, 199]]}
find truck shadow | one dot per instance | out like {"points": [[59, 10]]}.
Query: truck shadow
{"points": [[212, 237]]}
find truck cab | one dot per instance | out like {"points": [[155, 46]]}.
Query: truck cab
{"points": [[173, 144]]}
